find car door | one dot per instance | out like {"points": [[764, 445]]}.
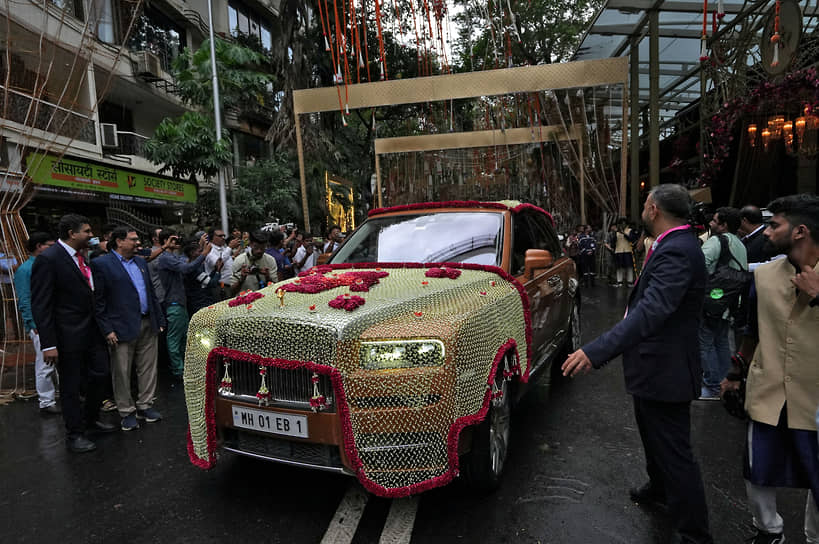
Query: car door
{"points": [[525, 236], [562, 278]]}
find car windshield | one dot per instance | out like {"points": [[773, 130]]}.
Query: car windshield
{"points": [[461, 237]]}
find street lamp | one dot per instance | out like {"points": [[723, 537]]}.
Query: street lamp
{"points": [[218, 115]]}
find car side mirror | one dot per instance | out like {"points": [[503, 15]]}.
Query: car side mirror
{"points": [[537, 259]]}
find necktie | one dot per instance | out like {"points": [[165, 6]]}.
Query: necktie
{"points": [[86, 272]]}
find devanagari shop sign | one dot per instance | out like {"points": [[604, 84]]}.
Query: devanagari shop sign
{"points": [[75, 174]]}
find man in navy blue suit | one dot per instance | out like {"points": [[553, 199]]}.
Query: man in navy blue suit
{"points": [[62, 303], [130, 318], [661, 361]]}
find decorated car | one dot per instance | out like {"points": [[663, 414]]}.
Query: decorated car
{"points": [[398, 361]]}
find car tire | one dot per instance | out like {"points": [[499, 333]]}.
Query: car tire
{"points": [[483, 467], [572, 343]]}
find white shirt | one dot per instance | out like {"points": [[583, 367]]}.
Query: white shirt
{"points": [[73, 254], [309, 263], [226, 254]]}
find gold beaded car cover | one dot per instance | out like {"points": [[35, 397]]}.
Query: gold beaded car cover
{"points": [[411, 352]]}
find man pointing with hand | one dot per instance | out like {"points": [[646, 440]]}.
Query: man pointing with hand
{"points": [[661, 360]]}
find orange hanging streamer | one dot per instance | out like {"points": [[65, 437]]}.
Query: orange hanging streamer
{"points": [[384, 75], [366, 47], [704, 37]]}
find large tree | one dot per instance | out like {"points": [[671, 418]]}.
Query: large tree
{"points": [[186, 146]]}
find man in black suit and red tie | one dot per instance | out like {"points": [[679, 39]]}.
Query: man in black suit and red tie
{"points": [[62, 301], [661, 360]]}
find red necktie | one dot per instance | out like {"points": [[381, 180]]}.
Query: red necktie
{"points": [[86, 272]]}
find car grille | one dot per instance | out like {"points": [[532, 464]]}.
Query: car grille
{"points": [[321, 455], [290, 388]]}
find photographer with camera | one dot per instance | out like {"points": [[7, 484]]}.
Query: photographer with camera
{"points": [[172, 269], [253, 270], [306, 254]]}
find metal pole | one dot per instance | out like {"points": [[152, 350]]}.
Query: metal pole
{"points": [[653, 94], [634, 53], [217, 113]]}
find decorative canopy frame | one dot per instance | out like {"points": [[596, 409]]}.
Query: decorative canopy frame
{"points": [[525, 79]]}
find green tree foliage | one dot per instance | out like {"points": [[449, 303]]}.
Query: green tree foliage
{"points": [[186, 146], [542, 32], [263, 191]]}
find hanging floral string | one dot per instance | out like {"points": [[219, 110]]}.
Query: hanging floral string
{"points": [[318, 401], [382, 61], [263, 394], [776, 38], [366, 46]]}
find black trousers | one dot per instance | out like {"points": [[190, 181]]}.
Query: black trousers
{"points": [[665, 429], [89, 371]]}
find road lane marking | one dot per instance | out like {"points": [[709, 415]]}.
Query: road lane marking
{"points": [[400, 521], [345, 521]]}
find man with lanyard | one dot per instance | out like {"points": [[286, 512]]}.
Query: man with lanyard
{"points": [[782, 387], [660, 363]]}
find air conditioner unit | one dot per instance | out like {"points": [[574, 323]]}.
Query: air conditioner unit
{"points": [[148, 65], [109, 135]]}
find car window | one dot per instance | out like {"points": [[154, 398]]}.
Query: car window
{"points": [[464, 237], [522, 239], [546, 233]]}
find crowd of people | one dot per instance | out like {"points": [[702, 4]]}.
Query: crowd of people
{"points": [[686, 291], [100, 311]]}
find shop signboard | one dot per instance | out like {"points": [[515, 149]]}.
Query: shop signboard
{"points": [[74, 174]]}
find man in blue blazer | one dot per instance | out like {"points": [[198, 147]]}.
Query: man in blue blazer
{"points": [[661, 361], [130, 319], [62, 304]]}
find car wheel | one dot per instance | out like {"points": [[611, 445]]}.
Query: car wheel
{"points": [[483, 466], [573, 342]]}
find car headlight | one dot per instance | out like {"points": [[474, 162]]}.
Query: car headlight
{"points": [[387, 355], [207, 338]]}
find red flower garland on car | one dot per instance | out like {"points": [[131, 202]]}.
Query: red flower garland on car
{"points": [[314, 281], [346, 302], [445, 272], [245, 298]]}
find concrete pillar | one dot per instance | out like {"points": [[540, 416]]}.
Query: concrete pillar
{"points": [[654, 96]]}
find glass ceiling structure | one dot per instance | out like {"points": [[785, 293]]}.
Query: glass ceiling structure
{"points": [[621, 22]]}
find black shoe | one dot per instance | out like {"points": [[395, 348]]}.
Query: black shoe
{"points": [[648, 494], [81, 444], [768, 538], [50, 410], [103, 427]]}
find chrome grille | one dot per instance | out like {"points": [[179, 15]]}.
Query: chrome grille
{"points": [[290, 388]]}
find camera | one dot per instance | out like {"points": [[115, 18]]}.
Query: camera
{"points": [[254, 270]]}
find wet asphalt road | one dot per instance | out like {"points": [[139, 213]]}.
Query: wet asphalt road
{"points": [[575, 451]]}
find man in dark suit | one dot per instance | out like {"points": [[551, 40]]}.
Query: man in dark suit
{"points": [[130, 318], [751, 229], [62, 302], [661, 360]]}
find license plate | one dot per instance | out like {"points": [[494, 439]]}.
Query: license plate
{"points": [[270, 422]]}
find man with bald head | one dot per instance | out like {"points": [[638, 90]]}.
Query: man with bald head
{"points": [[751, 227]]}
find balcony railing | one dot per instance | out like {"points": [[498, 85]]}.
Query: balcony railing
{"points": [[43, 115], [130, 143]]}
